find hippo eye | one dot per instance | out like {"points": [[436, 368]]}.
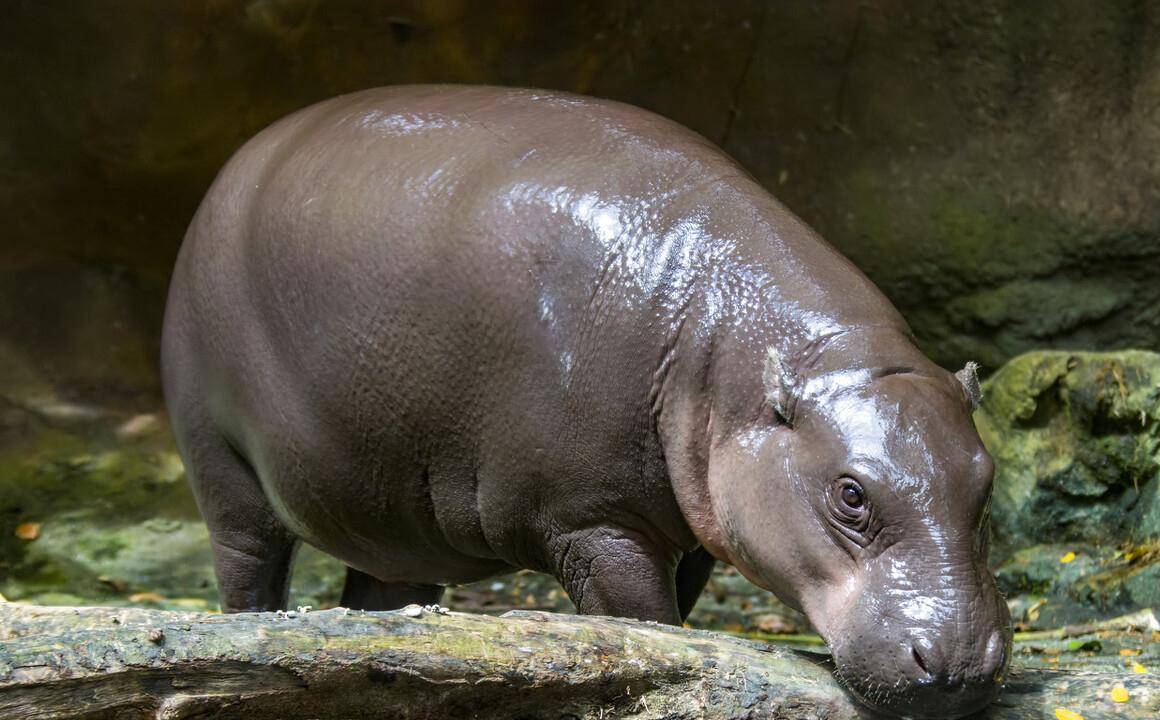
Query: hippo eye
{"points": [[852, 497], [849, 510]]}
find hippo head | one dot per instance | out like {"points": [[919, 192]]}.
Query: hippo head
{"points": [[860, 496]]}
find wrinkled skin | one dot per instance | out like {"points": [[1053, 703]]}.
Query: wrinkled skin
{"points": [[903, 596], [443, 333]]}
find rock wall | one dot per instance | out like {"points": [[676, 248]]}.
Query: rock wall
{"points": [[991, 164]]}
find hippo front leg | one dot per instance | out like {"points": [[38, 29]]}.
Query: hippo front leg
{"points": [[608, 571]]}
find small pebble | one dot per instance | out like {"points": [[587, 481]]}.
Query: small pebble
{"points": [[156, 635], [413, 610]]}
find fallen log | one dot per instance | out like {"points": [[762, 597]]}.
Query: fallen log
{"points": [[130, 663]]}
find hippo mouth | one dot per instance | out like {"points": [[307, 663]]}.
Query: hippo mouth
{"points": [[923, 700], [912, 679]]}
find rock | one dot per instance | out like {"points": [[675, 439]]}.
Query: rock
{"points": [[1076, 441], [1100, 582], [86, 662]]}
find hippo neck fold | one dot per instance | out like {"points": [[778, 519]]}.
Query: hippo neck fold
{"points": [[710, 385]]}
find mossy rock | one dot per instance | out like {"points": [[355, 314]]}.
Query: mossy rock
{"points": [[1076, 441], [1075, 512], [1067, 583]]}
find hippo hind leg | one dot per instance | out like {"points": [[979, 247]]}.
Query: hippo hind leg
{"points": [[363, 592], [253, 552]]}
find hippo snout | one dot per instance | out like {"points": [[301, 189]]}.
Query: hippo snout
{"points": [[930, 663], [948, 662], [938, 687], [923, 679]]}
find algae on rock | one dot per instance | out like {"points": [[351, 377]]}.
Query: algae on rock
{"points": [[1076, 508]]}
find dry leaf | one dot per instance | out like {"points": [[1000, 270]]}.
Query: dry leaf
{"points": [[28, 530]]}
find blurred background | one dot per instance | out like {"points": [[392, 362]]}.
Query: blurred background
{"points": [[993, 165]]}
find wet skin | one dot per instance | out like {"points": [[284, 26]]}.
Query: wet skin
{"points": [[445, 332]]}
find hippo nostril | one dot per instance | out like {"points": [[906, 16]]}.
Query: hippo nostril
{"points": [[914, 653]]}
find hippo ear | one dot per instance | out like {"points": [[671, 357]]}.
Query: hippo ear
{"points": [[969, 377], [779, 383]]}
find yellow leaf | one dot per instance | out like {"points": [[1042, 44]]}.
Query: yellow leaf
{"points": [[1065, 560], [146, 597], [28, 530], [1138, 668], [1120, 694], [188, 602], [1065, 714], [1129, 651]]}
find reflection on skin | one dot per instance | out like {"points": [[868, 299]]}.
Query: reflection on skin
{"points": [[407, 123]]}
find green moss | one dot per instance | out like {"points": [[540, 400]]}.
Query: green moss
{"points": [[1077, 447], [981, 236], [1076, 442]]}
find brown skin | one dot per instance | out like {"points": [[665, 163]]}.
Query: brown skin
{"points": [[446, 332]]}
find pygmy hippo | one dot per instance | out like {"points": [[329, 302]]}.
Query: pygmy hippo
{"points": [[442, 333]]}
